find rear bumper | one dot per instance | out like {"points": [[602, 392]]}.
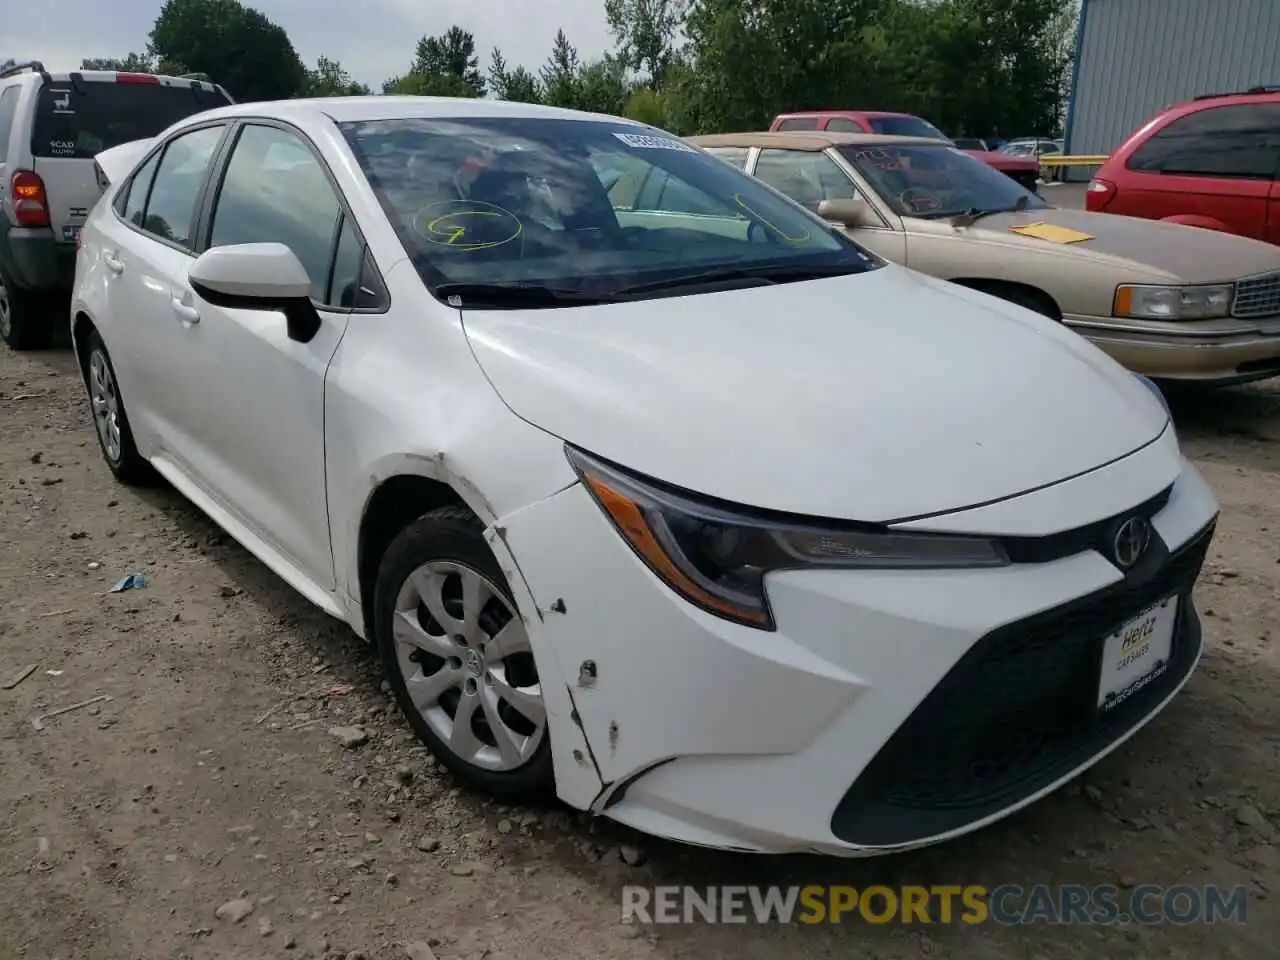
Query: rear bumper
{"points": [[1210, 360], [35, 260]]}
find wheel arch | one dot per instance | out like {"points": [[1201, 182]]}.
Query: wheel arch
{"points": [[1003, 288], [394, 503]]}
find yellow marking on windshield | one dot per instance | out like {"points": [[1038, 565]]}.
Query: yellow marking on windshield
{"points": [[451, 229]]}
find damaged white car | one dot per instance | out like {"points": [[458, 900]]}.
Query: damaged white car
{"points": [[653, 491]]}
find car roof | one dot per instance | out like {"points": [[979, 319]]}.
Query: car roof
{"points": [[811, 140], [844, 113], [353, 109]]}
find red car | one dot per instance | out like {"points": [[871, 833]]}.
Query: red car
{"points": [[1210, 162], [1021, 169]]}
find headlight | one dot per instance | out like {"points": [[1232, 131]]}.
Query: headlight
{"points": [[716, 556], [1173, 303]]}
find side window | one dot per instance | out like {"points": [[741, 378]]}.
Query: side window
{"points": [[799, 123], [8, 110], [808, 178], [276, 191], [171, 206], [734, 156], [1239, 141], [348, 259], [844, 125], [664, 193], [135, 195]]}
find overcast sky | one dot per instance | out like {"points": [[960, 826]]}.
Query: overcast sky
{"points": [[374, 39]]}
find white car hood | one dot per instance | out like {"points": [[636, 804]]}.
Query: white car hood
{"points": [[877, 397]]}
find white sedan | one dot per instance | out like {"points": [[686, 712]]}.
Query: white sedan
{"points": [[688, 510]]}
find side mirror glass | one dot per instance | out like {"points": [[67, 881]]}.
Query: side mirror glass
{"points": [[258, 276], [855, 212]]}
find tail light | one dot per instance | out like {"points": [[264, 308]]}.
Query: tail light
{"points": [[30, 204], [136, 78], [1099, 194]]}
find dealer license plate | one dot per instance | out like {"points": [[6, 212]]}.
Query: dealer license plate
{"points": [[1137, 653]]}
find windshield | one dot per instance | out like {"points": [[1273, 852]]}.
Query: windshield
{"points": [[80, 120], [586, 207], [905, 126], [928, 181]]}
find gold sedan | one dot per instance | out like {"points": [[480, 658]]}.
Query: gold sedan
{"points": [[1169, 301]]}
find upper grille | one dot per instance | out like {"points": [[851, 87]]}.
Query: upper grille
{"points": [[1257, 297]]}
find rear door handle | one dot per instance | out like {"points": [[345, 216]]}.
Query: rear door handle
{"points": [[114, 265], [185, 310]]}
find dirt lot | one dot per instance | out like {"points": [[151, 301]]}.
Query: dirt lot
{"points": [[211, 775]]}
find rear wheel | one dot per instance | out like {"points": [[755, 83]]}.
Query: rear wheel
{"points": [[110, 421], [457, 655], [24, 316]]}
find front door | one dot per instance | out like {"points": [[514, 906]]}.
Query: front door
{"points": [[809, 177], [261, 441]]}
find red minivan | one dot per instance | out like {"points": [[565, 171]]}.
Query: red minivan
{"points": [[1025, 172], [1211, 162]]}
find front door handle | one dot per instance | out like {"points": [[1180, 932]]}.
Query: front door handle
{"points": [[114, 265], [186, 311]]}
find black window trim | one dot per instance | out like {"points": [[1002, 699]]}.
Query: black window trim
{"points": [[218, 173], [1200, 112], [158, 149]]}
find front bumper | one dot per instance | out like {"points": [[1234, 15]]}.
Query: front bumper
{"points": [[1215, 354], [890, 710]]}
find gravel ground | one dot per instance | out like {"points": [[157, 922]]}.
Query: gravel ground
{"points": [[210, 785]]}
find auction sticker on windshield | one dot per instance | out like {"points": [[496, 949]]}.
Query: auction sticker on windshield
{"points": [[1137, 653], [643, 141]]}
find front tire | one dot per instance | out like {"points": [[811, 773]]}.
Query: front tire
{"points": [[110, 421], [457, 656]]}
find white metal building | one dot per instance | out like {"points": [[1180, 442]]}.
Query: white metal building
{"points": [[1135, 57]]}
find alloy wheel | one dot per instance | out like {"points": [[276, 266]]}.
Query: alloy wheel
{"points": [[468, 667], [105, 401]]}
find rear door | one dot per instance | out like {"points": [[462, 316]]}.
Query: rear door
{"points": [[1217, 164], [91, 112]]}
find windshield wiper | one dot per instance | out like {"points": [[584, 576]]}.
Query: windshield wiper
{"points": [[763, 274], [974, 214], [531, 296]]}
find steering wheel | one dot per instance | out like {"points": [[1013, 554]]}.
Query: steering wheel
{"points": [[920, 200]]}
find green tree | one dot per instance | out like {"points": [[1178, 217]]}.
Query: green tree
{"points": [[328, 79], [646, 32], [516, 84], [646, 106], [237, 46], [602, 87], [559, 75], [135, 63], [452, 54]]}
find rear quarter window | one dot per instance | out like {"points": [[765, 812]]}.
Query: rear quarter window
{"points": [[799, 123], [8, 111], [1239, 141], [79, 120]]}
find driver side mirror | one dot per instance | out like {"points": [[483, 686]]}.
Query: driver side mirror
{"points": [[855, 212], [258, 276]]}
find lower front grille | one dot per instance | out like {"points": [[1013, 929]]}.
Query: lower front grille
{"points": [[1257, 297], [1018, 711]]}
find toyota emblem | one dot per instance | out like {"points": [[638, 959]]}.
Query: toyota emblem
{"points": [[1131, 541]]}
